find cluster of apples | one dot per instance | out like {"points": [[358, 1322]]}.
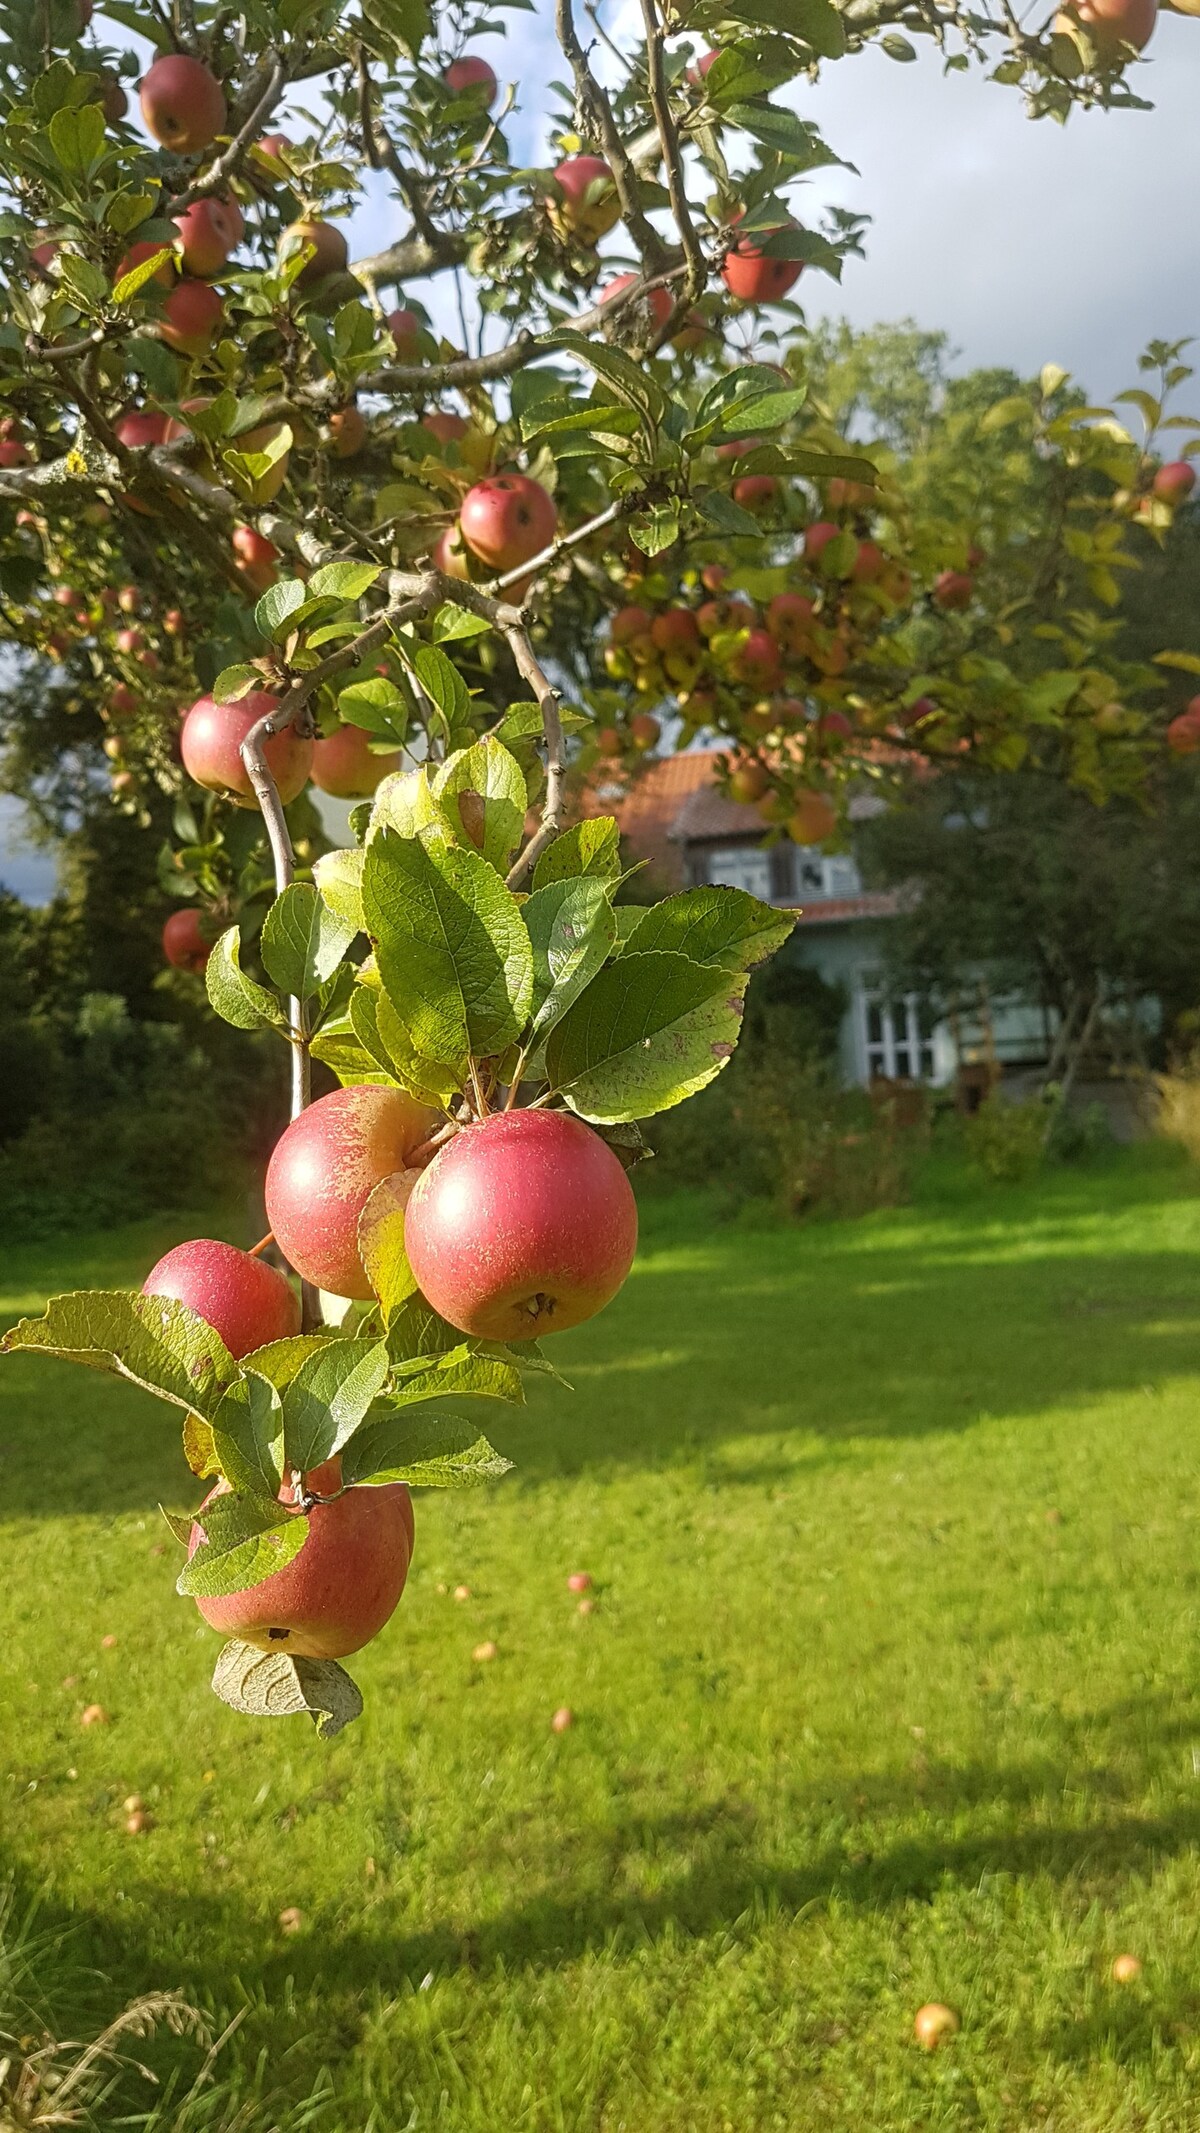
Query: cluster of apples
{"points": [[521, 1224]]}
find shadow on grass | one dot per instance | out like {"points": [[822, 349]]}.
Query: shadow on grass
{"points": [[917, 1322]]}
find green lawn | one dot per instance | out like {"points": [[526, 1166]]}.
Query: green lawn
{"points": [[890, 1693]]}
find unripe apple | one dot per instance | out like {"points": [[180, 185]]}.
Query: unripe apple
{"points": [[472, 76], [341, 1588], [813, 818], [406, 328], [113, 748], [163, 277], [256, 557], [348, 430], [523, 1225], [183, 104], [331, 254], [789, 619], [324, 1168], [344, 767], [507, 518], [656, 303], [1173, 484], [242, 1298], [210, 744], [449, 555], [755, 492], [676, 629], [586, 205], [755, 279], [210, 230], [953, 589], [749, 782], [757, 662], [184, 942], [644, 730], [129, 599]]}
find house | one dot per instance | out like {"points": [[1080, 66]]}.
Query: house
{"points": [[676, 820]]}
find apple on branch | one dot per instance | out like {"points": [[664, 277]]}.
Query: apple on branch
{"points": [[323, 1170]]}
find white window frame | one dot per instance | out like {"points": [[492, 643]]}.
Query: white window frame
{"points": [[741, 866], [899, 1032]]}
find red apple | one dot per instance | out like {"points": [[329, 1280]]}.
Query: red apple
{"points": [[13, 453], [657, 302], [699, 68], [755, 492], [273, 145], [173, 622], [832, 728], [129, 641], [185, 944], [211, 740], [129, 599], [164, 277], [675, 630], [1113, 23], [868, 563], [755, 279], [630, 625], [405, 328], [330, 256], [341, 1588], [122, 703], [256, 557], [348, 430], [586, 205], [644, 731], [242, 1298], [813, 819], [210, 230], [471, 77], [449, 555], [757, 663], [445, 425], [1173, 484], [789, 619], [344, 767], [953, 589], [817, 538], [734, 613], [523, 1225], [506, 519], [183, 105], [714, 576], [1183, 733], [325, 1167]]}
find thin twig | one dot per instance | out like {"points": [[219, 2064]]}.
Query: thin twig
{"points": [[697, 266], [597, 112]]}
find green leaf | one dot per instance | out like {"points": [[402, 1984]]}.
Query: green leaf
{"points": [[427, 1451], [816, 21], [453, 953], [630, 381], [234, 996], [404, 802], [378, 706], [573, 930], [1186, 662], [785, 131], [77, 138], [343, 581], [898, 47], [656, 528], [338, 876], [381, 1243], [451, 622], [723, 927], [483, 795], [233, 682], [130, 284], [278, 604], [416, 1330], [461, 1370], [1016, 407], [338, 1047], [280, 1361], [768, 413], [591, 847], [443, 684], [246, 1540], [721, 511], [248, 1436], [405, 23], [328, 1398], [158, 1343], [303, 940], [650, 1030], [271, 1685]]}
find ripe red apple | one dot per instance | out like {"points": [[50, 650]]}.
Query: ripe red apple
{"points": [[1173, 484], [1183, 733], [714, 576], [843, 495], [523, 1225], [734, 613], [817, 538], [210, 744], [256, 557], [445, 425], [173, 622], [630, 625], [832, 728], [755, 492], [324, 1168], [45, 253], [342, 1587], [699, 67], [657, 302], [405, 328], [586, 205], [210, 230], [813, 818], [755, 279], [579, 1581], [507, 518], [129, 640], [953, 589], [757, 662], [789, 619], [675, 630], [243, 1299], [344, 766], [135, 429], [348, 430], [163, 277], [183, 104], [608, 740], [331, 254], [1112, 23], [185, 944], [644, 731], [471, 77], [122, 702], [13, 452], [868, 563], [273, 146]]}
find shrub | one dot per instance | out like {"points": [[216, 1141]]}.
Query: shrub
{"points": [[1178, 1117], [1007, 1141]]}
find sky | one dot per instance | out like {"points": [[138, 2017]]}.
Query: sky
{"points": [[1026, 243]]}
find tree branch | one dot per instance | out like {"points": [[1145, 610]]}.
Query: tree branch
{"points": [[218, 173], [595, 108]]}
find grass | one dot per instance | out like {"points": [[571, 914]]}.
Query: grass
{"points": [[889, 1694]]}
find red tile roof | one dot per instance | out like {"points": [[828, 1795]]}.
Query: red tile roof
{"points": [[649, 809]]}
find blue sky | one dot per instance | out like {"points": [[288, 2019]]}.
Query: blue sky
{"points": [[1026, 243]]}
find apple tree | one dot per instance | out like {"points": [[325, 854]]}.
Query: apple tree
{"points": [[265, 523]]}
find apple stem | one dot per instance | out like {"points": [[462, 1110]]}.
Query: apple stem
{"points": [[261, 1246]]}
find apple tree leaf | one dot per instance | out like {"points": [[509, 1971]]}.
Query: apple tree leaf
{"points": [[234, 996], [650, 1030], [246, 1540], [591, 847], [328, 1398], [158, 1343], [427, 1451], [381, 1242], [303, 940], [247, 1433], [272, 1685], [573, 930], [725, 927], [482, 793]]}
